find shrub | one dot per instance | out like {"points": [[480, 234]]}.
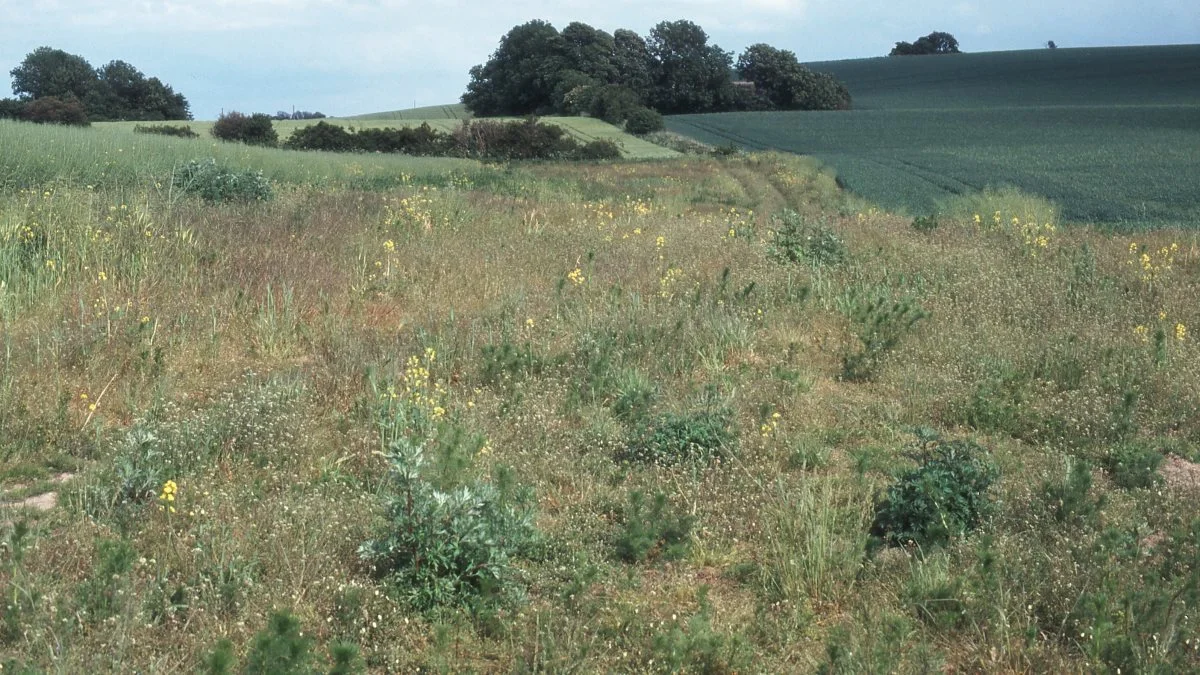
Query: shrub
{"points": [[925, 223], [11, 109], [447, 548], [601, 148], [643, 121], [878, 323], [697, 648], [215, 183], [944, 497], [253, 129], [653, 530], [321, 136], [613, 103], [53, 110], [180, 130], [420, 141], [281, 648], [673, 438], [1133, 466], [795, 240], [1069, 501]]}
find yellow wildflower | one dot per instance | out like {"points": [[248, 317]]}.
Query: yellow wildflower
{"points": [[1180, 332]]}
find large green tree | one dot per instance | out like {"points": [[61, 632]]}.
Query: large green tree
{"points": [[53, 72], [779, 77], [116, 91], [521, 76], [690, 74]]}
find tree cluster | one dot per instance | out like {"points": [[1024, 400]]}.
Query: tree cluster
{"points": [[936, 42], [51, 79], [298, 115], [583, 70]]}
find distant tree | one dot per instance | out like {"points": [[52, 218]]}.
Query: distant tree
{"points": [[934, 43], [1051, 45], [253, 129], [53, 72], [54, 110], [690, 75], [778, 76], [521, 75], [281, 115]]}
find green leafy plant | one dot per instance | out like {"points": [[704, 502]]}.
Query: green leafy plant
{"points": [[101, 596], [879, 323], [506, 363], [696, 647], [1070, 500], [653, 530], [1133, 465], [925, 223], [795, 240], [215, 183], [944, 497], [447, 548], [671, 438]]}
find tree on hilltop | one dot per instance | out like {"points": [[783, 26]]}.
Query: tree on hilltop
{"points": [[936, 42], [778, 75], [521, 75]]}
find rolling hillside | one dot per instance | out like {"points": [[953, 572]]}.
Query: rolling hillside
{"points": [[1108, 134]]}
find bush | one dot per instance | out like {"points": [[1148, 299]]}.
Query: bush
{"points": [[643, 121], [321, 136], [698, 648], [878, 323], [11, 109], [283, 648], [602, 148], [1133, 466], [944, 497], [212, 182], [653, 531], [613, 103], [52, 110], [447, 548], [795, 240], [673, 438], [253, 129], [180, 130]]}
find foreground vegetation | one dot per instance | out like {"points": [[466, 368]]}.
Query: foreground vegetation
{"points": [[1105, 133], [699, 415]]}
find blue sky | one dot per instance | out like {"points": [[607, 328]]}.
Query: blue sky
{"points": [[344, 58]]}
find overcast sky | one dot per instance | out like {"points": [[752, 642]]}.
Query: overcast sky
{"points": [[345, 58]]}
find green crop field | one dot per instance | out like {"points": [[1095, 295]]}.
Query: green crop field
{"points": [[451, 111], [1110, 135]]}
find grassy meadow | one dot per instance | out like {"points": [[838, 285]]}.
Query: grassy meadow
{"points": [[1105, 133], [703, 415]]}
